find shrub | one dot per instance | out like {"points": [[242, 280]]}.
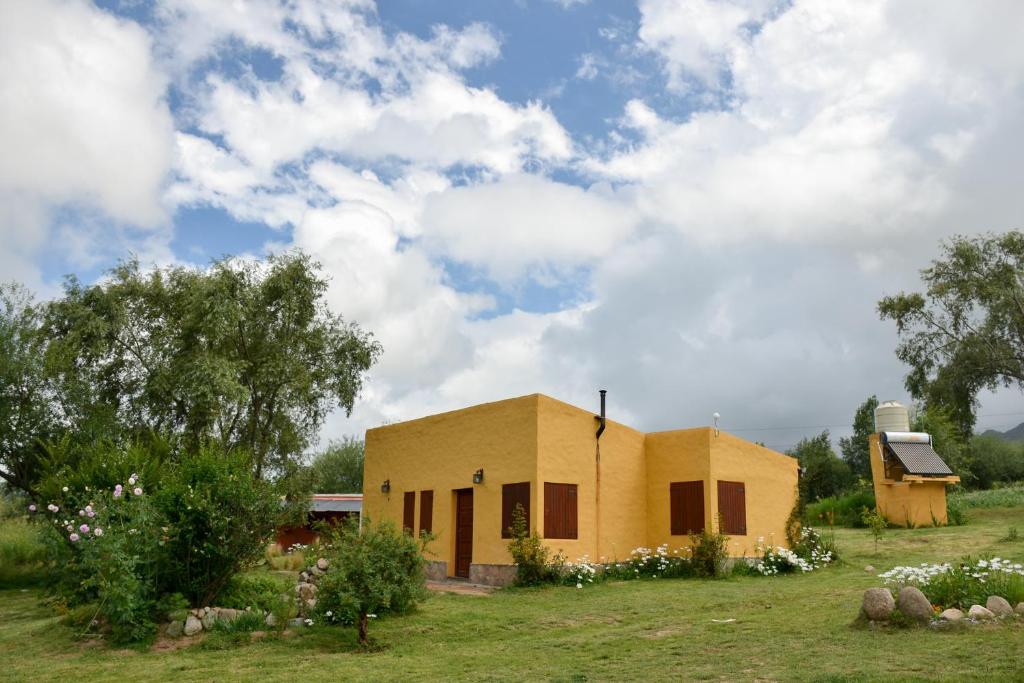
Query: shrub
{"points": [[843, 510], [647, 563], [963, 584], [811, 551], [529, 554], [708, 553], [291, 560], [218, 518], [374, 570], [260, 591], [1008, 496], [956, 512]]}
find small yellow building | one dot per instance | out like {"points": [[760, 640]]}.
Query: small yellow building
{"points": [[590, 486], [909, 477]]}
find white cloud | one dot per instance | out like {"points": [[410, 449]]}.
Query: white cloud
{"points": [[83, 121]]}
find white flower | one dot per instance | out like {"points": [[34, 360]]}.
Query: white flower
{"points": [[579, 585], [65, 489]]}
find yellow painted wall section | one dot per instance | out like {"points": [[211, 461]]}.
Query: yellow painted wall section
{"points": [[674, 456], [441, 453], [905, 503], [770, 483], [567, 443]]}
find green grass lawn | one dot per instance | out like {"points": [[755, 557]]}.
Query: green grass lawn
{"points": [[785, 628]]}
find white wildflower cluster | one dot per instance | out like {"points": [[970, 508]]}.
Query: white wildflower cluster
{"points": [[778, 560], [581, 571], [914, 576], [981, 571]]}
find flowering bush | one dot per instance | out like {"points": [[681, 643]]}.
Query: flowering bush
{"points": [[810, 552], [962, 584]]}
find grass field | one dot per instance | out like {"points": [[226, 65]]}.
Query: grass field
{"points": [[785, 628]]}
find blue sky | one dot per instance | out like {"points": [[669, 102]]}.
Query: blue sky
{"points": [[695, 204]]}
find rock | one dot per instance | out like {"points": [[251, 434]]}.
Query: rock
{"points": [[208, 620], [1019, 609], [914, 605], [227, 614], [878, 604], [952, 614], [869, 568], [979, 612], [193, 625], [316, 571], [206, 610], [311, 603], [271, 620], [296, 623], [175, 629], [322, 564], [306, 590], [303, 577], [999, 606]]}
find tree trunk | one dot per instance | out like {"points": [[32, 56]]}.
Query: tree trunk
{"points": [[364, 640]]}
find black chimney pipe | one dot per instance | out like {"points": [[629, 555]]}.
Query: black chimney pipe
{"points": [[600, 430]]}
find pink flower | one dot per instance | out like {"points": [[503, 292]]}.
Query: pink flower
{"points": [[118, 487], [98, 531], [90, 513], [74, 538], [52, 508], [31, 508], [117, 492], [137, 491], [81, 513], [84, 528]]}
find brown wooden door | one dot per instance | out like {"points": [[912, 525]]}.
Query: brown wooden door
{"points": [[463, 532]]}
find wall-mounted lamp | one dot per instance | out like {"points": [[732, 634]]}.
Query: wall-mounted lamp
{"points": [[478, 477], [386, 486]]}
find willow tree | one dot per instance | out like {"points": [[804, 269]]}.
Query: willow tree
{"points": [[965, 333], [244, 353]]}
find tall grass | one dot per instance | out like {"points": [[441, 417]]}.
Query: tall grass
{"points": [[1008, 497], [21, 554]]}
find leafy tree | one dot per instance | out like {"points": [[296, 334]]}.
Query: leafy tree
{"points": [[339, 468], [824, 474], [28, 413], [244, 353], [966, 332], [374, 570], [994, 460], [855, 447]]}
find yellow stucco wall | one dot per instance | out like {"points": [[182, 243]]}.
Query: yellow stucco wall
{"points": [[539, 439], [770, 480], [566, 438], [441, 453], [678, 455], [906, 503]]}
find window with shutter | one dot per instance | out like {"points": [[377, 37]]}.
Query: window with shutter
{"points": [[560, 510], [686, 507], [426, 511], [409, 512], [732, 508], [512, 495]]}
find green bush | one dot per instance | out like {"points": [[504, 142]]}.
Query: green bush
{"points": [[956, 511], [218, 518], [964, 583], [1007, 496], [529, 554], [708, 554], [375, 569], [843, 510], [260, 591]]}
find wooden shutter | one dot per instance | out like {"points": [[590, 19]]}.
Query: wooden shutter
{"points": [[732, 508], [560, 510], [426, 511], [409, 512], [686, 507], [511, 495]]}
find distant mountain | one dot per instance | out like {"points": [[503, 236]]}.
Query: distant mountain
{"points": [[1015, 434]]}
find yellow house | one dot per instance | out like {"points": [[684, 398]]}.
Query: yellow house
{"points": [[590, 486]]}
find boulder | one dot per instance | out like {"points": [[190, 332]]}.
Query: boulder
{"points": [[175, 629], [878, 604], [322, 564], [271, 620], [913, 604], [228, 614], [193, 625], [1019, 609], [979, 612], [208, 620], [869, 568], [303, 577], [999, 606], [316, 571], [952, 614]]}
